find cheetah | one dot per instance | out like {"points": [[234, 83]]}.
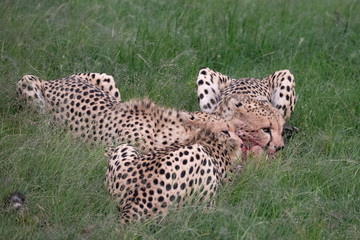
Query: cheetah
{"points": [[268, 102], [90, 106], [148, 185]]}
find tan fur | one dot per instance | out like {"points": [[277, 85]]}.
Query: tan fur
{"points": [[254, 117], [259, 105], [98, 116], [151, 184]]}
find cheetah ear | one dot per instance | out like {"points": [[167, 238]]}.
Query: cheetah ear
{"points": [[188, 117], [234, 146], [190, 120], [237, 105], [232, 143]]}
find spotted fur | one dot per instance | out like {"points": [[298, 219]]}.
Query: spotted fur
{"points": [[148, 185], [264, 104], [89, 105], [278, 90]]}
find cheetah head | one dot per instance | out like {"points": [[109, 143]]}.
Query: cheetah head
{"points": [[199, 120], [225, 141], [257, 123]]}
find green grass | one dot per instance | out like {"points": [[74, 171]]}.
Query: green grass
{"points": [[154, 49]]}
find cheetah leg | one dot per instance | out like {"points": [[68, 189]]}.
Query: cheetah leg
{"points": [[123, 154], [209, 86], [116, 180], [103, 81], [282, 92], [30, 90]]}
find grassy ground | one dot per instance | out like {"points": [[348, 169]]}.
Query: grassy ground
{"points": [[154, 49]]}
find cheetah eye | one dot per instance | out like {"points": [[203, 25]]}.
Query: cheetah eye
{"points": [[266, 130], [226, 133]]}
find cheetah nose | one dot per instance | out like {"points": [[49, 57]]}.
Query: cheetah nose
{"points": [[278, 148]]}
